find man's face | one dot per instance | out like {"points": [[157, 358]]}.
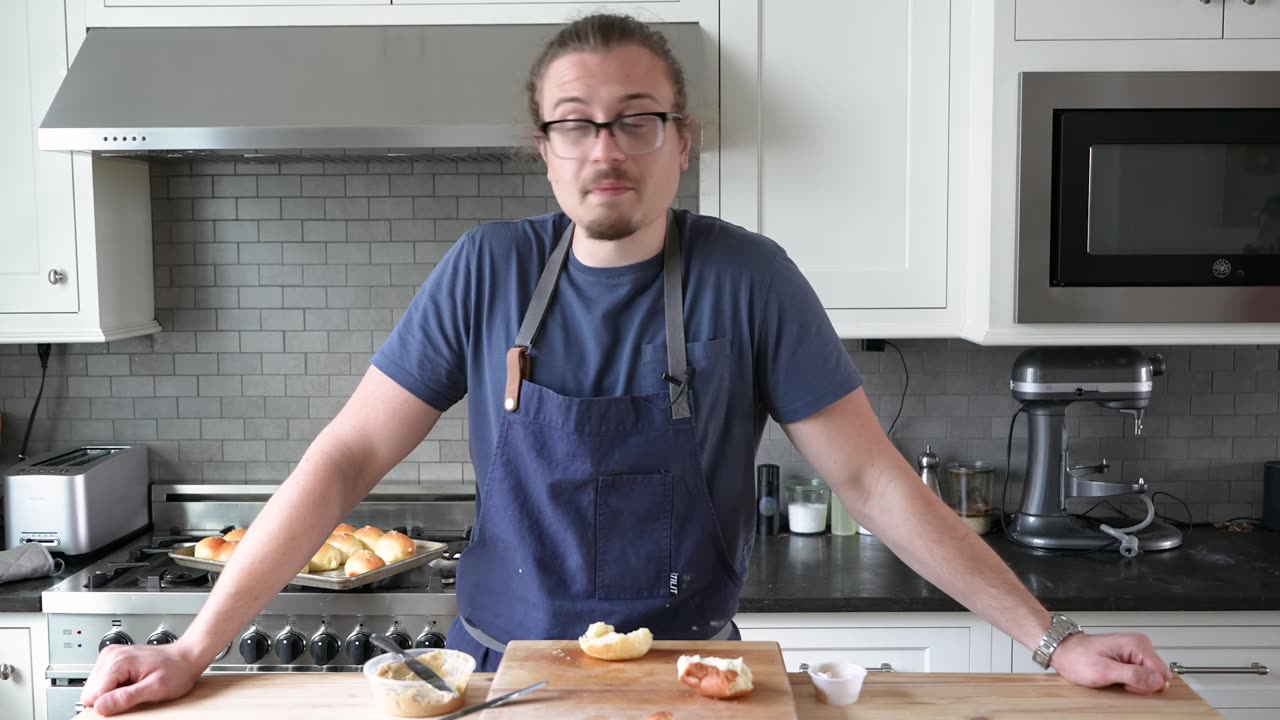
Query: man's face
{"points": [[607, 192]]}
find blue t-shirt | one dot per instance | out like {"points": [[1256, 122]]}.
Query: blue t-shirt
{"points": [[753, 325]]}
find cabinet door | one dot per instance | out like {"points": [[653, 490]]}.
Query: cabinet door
{"points": [[1257, 19], [852, 172], [16, 699], [36, 203], [904, 649], [1118, 19]]}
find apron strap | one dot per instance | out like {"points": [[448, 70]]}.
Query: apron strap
{"points": [[678, 375], [493, 644], [678, 372]]}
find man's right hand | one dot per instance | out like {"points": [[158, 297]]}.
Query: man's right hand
{"points": [[129, 675]]}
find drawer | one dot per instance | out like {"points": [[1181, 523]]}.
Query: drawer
{"points": [[913, 649], [1221, 647]]}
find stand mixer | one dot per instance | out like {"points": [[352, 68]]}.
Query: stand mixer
{"points": [[1046, 381]]}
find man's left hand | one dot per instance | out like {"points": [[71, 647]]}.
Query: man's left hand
{"points": [[1120, 659]]}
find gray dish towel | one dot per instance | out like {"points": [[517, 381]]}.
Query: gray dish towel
{"points": [[31, 560]]}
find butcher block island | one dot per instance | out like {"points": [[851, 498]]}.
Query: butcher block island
{"points": [[582, 688]]}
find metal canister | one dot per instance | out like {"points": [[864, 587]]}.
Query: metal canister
{"points": [[768, 500], [928, 464]]}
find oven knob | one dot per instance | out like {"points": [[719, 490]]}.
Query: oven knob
{"points": [[289, 646], [162, 637], [431, 639], [115, 637], [359, 649], [254, 646], [400, 639], [324, 648]]}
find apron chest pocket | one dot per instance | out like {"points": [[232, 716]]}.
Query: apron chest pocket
{"points": [[633, 536]]}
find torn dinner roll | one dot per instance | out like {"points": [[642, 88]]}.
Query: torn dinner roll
{"points": [[601, 641], [368, 536], [362, 561], [394, 547], [326, 558], [208, 547], [719, 678]]}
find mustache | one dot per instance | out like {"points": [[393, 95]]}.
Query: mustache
{"points": [[612, 175]]}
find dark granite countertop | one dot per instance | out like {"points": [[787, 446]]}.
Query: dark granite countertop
{"points": [[24, 596], [1213, 570]]}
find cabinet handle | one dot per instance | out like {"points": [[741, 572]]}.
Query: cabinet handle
{"points": [[1251, 669], [1206, 2], [6, 671], [55, 277], [1250, 2], [884, 667]]}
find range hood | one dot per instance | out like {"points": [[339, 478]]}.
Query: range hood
{"points": [[269, 92]]}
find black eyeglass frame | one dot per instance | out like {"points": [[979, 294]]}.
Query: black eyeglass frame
{"points": [[663, 116]]}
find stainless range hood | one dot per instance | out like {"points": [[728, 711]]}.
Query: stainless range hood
{"points": [[285, 91]]}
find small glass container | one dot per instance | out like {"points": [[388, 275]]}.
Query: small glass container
{"points": [[969, 493], [837, 683], [807, 506], [842, 523]]}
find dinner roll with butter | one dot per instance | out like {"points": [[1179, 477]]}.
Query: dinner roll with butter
{"points": [[208, 547], [362, 562], [326, 558], [235, 535], [368, 536], [225, 550], [346, 543], [394, 547], [719, 678], [600, 641]]}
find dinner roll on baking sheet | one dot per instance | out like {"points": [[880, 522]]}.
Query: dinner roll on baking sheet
{"points": [[208, 547], [368, 536], [394, 547], [225, 550], [235, 535], [346, 543], [344, 528], [326, 558], [362, 561]]}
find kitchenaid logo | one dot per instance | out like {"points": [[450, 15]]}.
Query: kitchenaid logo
{"points": [[1221, 268], [673, 584]]}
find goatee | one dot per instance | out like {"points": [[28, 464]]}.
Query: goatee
{"points": [[609, 228]]}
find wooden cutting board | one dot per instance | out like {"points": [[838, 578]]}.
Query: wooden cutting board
{"points": [[584, 688]]}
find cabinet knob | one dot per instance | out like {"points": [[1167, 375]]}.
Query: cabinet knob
{"points": [[1250, 2], [6, 671], [56, 276]]}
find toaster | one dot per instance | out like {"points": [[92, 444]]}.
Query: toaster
{"points": [[77, 501]]}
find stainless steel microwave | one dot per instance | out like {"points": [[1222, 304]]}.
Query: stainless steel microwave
{"points": [[1148, 197]]}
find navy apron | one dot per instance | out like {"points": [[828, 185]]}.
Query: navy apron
{"points": [[595, 509]]}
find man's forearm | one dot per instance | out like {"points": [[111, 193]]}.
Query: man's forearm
{"points": [[293, 523], [930, 538]]}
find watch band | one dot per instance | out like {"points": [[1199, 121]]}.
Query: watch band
{"points": [[1060, 628]]}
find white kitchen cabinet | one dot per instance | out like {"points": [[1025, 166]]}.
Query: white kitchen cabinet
{"points": [[1258, 19], [225, 13], [38, 243], [834, 137], [77, 232], [1229, 643], [1119, 19], [904, 642], [23, 657]]}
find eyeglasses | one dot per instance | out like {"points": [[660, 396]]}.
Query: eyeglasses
{"points": [[635, 134]]}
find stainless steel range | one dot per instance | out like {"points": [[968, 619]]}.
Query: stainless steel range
{"points": [[139, 595]]}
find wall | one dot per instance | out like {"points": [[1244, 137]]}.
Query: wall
{"points": [[276, 282]]}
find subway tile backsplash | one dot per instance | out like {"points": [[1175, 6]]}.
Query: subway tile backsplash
{"points": [[275, 282]]}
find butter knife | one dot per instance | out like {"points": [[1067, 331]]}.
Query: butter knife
{"points": [[493, 703], [428, 675]]}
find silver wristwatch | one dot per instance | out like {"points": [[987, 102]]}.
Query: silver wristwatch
{"points": [[1059, 629]]}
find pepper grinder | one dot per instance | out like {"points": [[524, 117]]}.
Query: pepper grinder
{"points": [[928, 464]]}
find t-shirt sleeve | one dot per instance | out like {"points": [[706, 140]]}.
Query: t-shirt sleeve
{"points": [[426, 352], [801, 365]]}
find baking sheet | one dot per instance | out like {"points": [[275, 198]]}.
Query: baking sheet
{"points": [[330, 579]]}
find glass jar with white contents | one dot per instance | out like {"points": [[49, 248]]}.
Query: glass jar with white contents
{"points": [[807, 506]]}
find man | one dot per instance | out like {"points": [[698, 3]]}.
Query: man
{"points": [[614, 421]]}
